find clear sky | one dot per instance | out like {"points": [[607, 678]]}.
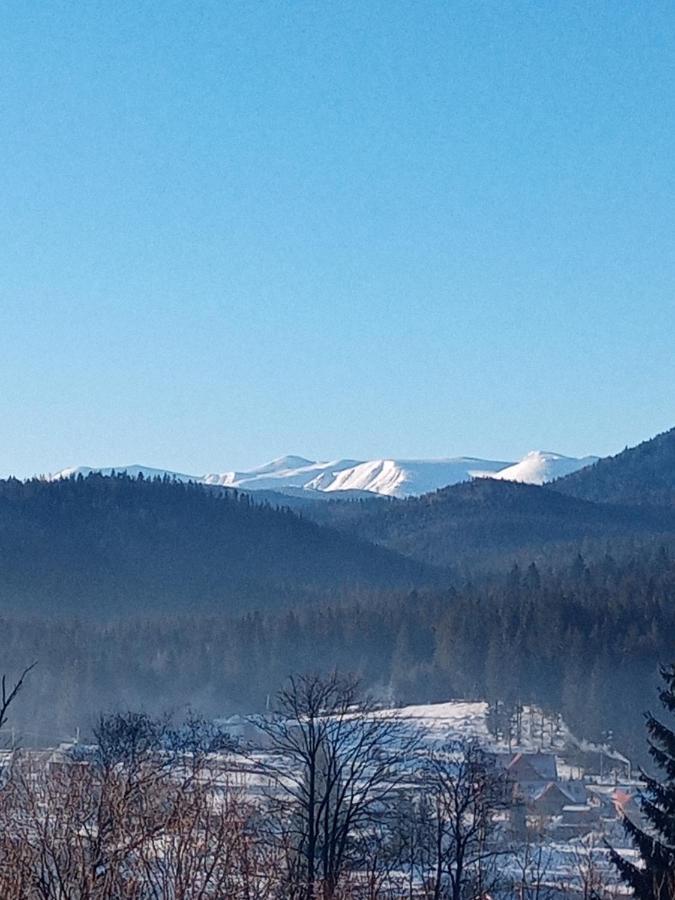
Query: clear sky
{"points": [[233, 230]]}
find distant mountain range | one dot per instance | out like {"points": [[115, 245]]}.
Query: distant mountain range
{"points": [[95, 543], [389, 477], [486, 522]]}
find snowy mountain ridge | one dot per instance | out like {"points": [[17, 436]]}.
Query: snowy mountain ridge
{"points": [[390, 477], [404, 478]]}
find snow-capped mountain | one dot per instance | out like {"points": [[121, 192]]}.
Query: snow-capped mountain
{"points": [[404, 478], [541, 466], [390, 477]]}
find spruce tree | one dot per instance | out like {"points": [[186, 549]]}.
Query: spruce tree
{"points": [[654, 879]]}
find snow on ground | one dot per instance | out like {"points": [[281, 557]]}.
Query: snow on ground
{"points": [[460, 719], [447, 721]]}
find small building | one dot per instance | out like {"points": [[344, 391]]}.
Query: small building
{"points": [[549, 801], [533, 767]]}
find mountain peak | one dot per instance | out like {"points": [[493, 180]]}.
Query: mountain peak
{"points": [[541, 466], [283, 463]]}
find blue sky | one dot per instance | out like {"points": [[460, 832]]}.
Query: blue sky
{"points": [[232, 230]]}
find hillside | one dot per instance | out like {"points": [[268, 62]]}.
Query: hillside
{"points": [[486, 521], [639, 476], [103, 545]]}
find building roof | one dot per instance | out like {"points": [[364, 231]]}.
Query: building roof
{"points": [[551, 787], [534, 766], [573, 792]]}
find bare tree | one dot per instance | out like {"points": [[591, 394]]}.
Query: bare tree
{"points": [[466, 790], [208, 850], [338, 763], [590, 874], [131, 820], [8, 695], [532, 878]]}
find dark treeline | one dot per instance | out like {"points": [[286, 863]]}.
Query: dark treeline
{"points": [[584, 641], [639, 476], [481, 525], [100, 546]]}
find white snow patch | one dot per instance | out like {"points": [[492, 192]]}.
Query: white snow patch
{"points": [[539, 467], [287, 472], [406, 477]]}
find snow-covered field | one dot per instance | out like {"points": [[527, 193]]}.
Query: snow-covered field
{"points": [[462, 720]]}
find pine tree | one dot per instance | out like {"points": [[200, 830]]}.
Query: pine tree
{"points": [[655, 879]]}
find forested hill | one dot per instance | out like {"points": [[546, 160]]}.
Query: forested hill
{"points": [[102, 545], [485, 523], [585, 641], [642, 475]]}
